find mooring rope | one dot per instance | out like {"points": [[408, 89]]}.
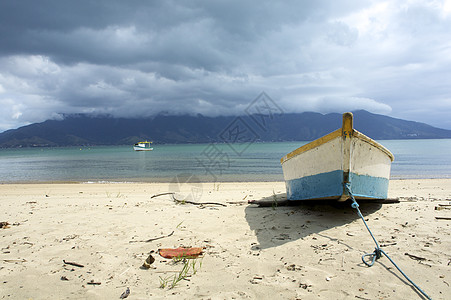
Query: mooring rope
{"points": [[378, 251]]}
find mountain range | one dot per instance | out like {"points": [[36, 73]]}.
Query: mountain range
{"points": [[84, 130]]}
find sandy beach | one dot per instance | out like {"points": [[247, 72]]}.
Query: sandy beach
{"points": [[105, 232]]}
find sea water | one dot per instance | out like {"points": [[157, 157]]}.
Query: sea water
{"points": [[204, 162]]}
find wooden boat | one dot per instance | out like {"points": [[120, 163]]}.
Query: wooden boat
{"points": [[143, 146], [320, 169]]}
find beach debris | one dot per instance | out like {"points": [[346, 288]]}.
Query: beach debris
{"points": [[69, 237], [64, 278], [293, 267], [304, 285], [266, 202], [125, 294], [443, 218], [149, 260], [162, 194], [358, 297], [73, 264], [195, 203], [415, 257], [15, 260], [153, 239], [389, 244], [237, 202], [256, 279], [385, 201], [181, 252], [442, 206], [4, 225], [92, 282]]}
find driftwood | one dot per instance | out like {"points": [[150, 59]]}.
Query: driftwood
{"points": [[195, 203], [442, 207], [162, 194], [187, 201], [415, 257], [73, 264], [389, 244], [4, 224], [153, 239], [15, 260], [237, 202], [269, 203], [443, 218]]}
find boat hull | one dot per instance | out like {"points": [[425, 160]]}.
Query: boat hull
{"points": [[141, 148], [320, 169], [329, 186]]}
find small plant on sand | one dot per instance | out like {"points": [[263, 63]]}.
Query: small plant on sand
{"points": [[189, 268], [110, 195], [180, 224]]}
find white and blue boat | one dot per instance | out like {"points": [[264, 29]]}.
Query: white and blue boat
{"points": [[320, 169]]}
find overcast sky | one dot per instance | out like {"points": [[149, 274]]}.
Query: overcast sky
{"points": [[141, 58]]}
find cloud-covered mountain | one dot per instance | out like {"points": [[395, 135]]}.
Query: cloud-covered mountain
{"points": [[77, 130]]}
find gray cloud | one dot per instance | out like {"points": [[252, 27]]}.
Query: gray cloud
{"points": [[140, 58]]}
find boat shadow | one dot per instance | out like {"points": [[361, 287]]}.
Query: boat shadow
{"points": [[275, 224]]}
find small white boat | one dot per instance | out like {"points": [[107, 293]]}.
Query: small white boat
{"points": [[321, 169], [143, 146]]}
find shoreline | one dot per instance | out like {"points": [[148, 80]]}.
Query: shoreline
{"points": [[168, 181], [288, 252]]}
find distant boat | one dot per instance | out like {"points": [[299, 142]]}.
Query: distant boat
{"points": [[320, 169], [143, 146]]}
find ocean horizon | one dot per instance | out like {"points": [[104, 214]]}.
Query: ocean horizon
{"points": [[414, 159]]}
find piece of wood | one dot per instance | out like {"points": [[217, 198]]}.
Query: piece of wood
{"points": [[4, 224], [415, 257], [270, 203], [73, 264], [153, 239], [15, 260], [389, 244], [162, 194], [387, 201], [442, 208], [196, 203], [443, 218], [237, 202]]}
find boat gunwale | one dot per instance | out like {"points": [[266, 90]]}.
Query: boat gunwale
{"points": [[334, 134], [313, 144], [372, 142]]}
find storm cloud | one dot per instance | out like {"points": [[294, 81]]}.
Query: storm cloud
{"points": [[142, 58]]}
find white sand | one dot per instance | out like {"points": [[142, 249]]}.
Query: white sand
{"points": [[301, 252]]}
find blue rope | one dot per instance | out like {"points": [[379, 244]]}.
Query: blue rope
{"points": [[378, 251]]}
